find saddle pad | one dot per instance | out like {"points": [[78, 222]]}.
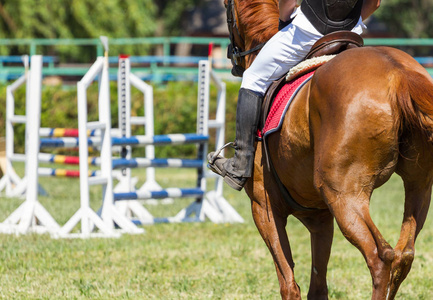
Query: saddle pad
{"points": [[282, 102]]}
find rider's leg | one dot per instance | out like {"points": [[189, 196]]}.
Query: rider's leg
{"points": [[283, 51], [237, 169]]}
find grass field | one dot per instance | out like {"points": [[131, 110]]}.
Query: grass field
{"points": [[190, 261]]}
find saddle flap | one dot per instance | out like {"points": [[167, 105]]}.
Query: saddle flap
{"points": [[269, 99]]}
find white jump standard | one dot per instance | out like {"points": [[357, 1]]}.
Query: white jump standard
{"points": [[31, 215]]}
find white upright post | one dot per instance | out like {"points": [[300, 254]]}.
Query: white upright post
{"points": [[85, 214], [10, 178], [13, 185], [202, 208], [124, 118], [150, 184], [149, 131], [131, 208], [31, 215], [109, 215], [215, 196], [214, 206]]}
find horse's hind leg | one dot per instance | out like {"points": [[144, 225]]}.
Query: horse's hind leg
{"points": [[352, 215], [416, 207], [347, 188], [321, 227], [417, 177]]}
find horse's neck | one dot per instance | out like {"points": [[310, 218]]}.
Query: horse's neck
{"points": [[259, 19]]}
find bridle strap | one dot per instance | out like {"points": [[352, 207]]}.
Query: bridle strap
{"points": [[245, 53], [235, 52], [232, 22]]}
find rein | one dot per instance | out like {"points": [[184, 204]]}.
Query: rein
{"points": [[234, 51]]}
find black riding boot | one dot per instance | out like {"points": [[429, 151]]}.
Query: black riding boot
{"points": [[237, 169]]}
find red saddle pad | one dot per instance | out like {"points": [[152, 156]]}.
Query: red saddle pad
{"points": [[282, 102]]}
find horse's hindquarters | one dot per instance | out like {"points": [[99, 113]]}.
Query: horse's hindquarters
{"points": [[361, 108]]}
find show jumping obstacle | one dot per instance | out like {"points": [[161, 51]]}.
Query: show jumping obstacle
{"points": [[211, 205], [120, 202]]}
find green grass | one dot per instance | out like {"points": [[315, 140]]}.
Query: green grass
{"points": [[190, 261]]}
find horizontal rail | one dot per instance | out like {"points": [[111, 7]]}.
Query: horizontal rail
{"points": [[62, 173], [167, 193], [183, 40], [160, 139], [17, 119], [65, 132], [157, 163], [169, 139], [119, 163], [19, 59], [162, 67]]}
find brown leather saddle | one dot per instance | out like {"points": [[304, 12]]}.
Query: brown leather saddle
{"points": [[332, 43]]}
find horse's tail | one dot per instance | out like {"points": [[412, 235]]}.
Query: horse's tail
{"points": [[414, 93]]}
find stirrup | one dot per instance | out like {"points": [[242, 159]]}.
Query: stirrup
{"points": [[218, 151]]}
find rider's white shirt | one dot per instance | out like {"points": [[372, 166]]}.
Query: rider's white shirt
{"points": [[283, 51]]}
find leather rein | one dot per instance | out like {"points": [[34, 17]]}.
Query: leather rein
{"points": [[234, 51]]}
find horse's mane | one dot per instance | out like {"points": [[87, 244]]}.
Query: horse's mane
{"points": [[259, 18]]}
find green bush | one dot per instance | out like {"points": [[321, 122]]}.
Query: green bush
{"points": [[175, 111]]}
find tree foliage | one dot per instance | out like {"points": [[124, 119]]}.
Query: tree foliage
{"points": [[407, 18], [76, 19], [172, 13]]}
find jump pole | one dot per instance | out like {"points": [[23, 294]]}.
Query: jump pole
{"points": [[31, 215]]}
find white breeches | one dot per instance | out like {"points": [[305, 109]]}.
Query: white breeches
{"points": [[283, 51]]}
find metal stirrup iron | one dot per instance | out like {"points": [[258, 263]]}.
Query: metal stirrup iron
{"points": [[216, 153]]}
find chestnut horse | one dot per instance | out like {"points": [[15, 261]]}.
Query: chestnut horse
{"points": [[363, 116]]}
